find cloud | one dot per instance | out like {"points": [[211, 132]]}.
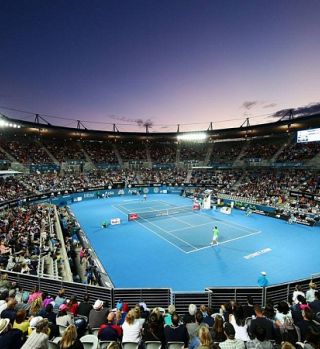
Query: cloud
{"points": [[249, 104], [270, 105], [309, 109], [139, 122]]}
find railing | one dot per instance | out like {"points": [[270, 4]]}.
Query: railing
{"points": [[212, 296]]}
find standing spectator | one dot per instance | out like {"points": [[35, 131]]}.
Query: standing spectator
{"points": [[248, 309], [315, 305], [297, 291], [263, 281], [310, 293]]}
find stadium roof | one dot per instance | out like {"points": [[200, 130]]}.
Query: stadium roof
{"points": [[279, 127]]}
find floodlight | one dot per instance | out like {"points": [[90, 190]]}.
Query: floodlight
{"points": [[194, 136]]}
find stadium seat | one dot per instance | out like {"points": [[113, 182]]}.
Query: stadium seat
{"points": [[152, 345], [104, 344], [175, 345], [90, 341], [53, 345], [129, 345]]}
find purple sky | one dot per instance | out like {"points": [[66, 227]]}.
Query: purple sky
{"points": [[169, 61]]}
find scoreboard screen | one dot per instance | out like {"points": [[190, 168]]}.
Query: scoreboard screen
{"points": [[312, 135]]}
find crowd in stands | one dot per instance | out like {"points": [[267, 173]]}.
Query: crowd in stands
{"points": [[26, 151], [266, 186], [100, 152], [35, 319], [65, 150], [32, 150], [193, 151], [132, 150], [163, 152], [259, 149], [299, 152], [272, 187], [224, 152]]}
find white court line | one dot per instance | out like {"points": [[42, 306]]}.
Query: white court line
{"points": [[184, 222], [193, 226], [176, 237], [231, 224], [160, 236], [224, 242]]}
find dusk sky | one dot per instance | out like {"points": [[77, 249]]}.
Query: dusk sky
{"points": [[171, 62]]}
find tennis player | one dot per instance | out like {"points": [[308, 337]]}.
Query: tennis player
{"points": [[215, 237]]}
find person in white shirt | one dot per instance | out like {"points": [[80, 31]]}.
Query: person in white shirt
{"points": [[310, 293], [131, 328], [297, 291]]}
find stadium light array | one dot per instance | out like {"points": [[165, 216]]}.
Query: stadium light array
{"points": [[194, 136], [4, 123]]}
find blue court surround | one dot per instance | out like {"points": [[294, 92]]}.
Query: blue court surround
{"points": [[175, 251]]}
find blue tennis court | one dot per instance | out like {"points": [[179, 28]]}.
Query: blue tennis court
{"points": [[174, 250]]}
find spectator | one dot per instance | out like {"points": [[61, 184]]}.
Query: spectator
{"points": [[84, 307], [238, 321], [310, 293], [167, 318], [60, 299], [315, 305], [176, 332], [153, 330], [205, 338], [259, 341], [98, 314], [231, 342], [110, 331], [131, 329], [70, 339], [263, 322], [9, 338], [248, 309], [218, 334], [21, 323], [297, 291], [39, 338], [190, 316], [10, 312], [193, 327]]}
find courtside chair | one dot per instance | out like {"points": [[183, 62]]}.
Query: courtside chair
{"points": [[175, 345], [90, 341], [152, 344], [129, 345]]}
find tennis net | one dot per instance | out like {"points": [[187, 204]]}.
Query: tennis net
{"points": [[159, 213]]}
